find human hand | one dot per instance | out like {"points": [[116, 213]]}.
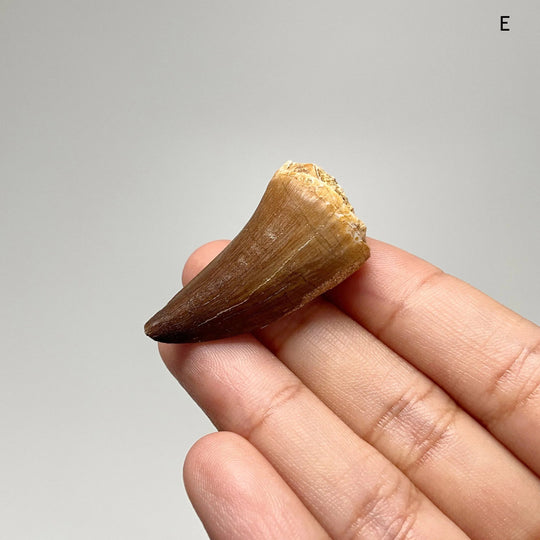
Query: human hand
{"points": [[404, 404]]}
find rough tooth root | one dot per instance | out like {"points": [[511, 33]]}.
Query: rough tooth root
{"points": [[302, 240]]}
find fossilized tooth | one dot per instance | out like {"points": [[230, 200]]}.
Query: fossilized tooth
{"points": [[302, 240]]}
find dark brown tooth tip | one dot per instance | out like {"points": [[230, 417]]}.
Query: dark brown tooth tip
{"points": [[302, 240]]}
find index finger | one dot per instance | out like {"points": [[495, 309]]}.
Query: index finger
{"points": [[484, 355]]}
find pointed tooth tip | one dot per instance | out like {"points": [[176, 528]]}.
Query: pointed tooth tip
{"points": [[163, 329], [150, 328], [154, 328]]}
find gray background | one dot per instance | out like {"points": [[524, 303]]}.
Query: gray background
{"points": [[132, 132]]}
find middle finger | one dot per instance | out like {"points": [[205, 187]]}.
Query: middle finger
{"points": [[415, 424]]}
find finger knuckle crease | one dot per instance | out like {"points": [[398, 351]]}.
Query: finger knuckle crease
{"points": [[406, 300], [431, 439], [397, 410], [281, 398], [390, 513], [515, 384]]}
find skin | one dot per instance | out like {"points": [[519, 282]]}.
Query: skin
{"points": [[403, 404]]}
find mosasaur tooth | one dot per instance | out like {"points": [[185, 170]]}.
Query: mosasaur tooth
{"points": [[302, 240]]}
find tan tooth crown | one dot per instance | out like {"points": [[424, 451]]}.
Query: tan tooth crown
{"points": [[302, 240]]}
